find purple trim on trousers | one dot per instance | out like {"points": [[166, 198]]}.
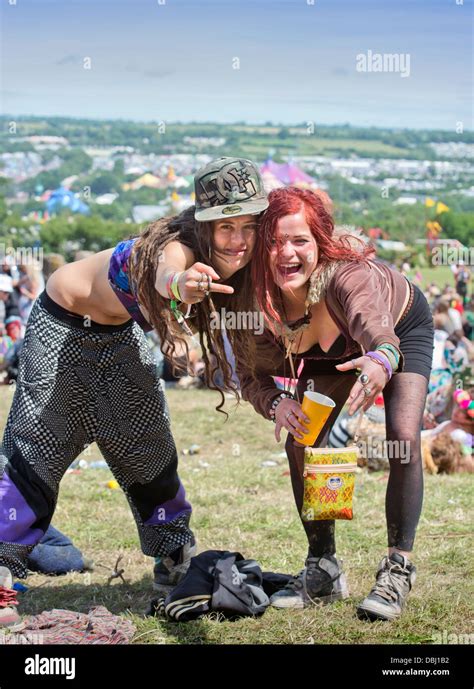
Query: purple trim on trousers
{"points": [[16, 530], [171, 509]]}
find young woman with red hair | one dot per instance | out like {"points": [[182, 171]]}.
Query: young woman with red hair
{"points": [[334, 311]]}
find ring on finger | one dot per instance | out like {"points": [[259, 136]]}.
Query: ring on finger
{"points": [[367, 392], [363, 379], [290, 413]]}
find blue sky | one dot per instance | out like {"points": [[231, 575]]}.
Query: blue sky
{"points": [[174, 61]]}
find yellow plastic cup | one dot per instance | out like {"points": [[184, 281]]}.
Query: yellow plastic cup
{"points": [[317, 408]]}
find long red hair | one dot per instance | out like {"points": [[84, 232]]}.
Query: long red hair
{"points": [[318, 214]]}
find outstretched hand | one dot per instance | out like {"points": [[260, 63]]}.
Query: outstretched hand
{"points": [[197, 280], [364, 395]]}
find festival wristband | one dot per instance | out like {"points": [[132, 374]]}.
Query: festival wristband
{"points": [[381, 359], [383, 366], [180, 317], [168, 285], [174, 286]]}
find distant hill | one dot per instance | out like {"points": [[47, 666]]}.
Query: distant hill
{"points": [[257, 141]]}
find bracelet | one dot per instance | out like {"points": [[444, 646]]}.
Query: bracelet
{"points": [[175, 287], [276, 402], [180, 317], [381, 359], [389, 356], [376, 361], [168, 285], [390, 348]]}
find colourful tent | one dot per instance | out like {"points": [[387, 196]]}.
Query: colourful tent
{"points": [[270, 181], [146, 180], [287, 173], [65, 198]]}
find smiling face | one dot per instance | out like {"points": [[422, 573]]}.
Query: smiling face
{"points": [[233, 243], [293, 253]]}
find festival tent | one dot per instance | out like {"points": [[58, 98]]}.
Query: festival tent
{"points": [[270, 181], [146, 180], [287, 173], [106, 199], [181, 182], [65, 198]]}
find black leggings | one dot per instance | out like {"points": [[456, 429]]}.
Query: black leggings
{"points": [[404, 398]]}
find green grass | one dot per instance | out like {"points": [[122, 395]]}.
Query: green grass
{"points": [[240, 505], [314, 145], [440, 275]]}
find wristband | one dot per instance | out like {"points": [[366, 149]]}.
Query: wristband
{"points": [[388, 355], [174, 286], [168, 285], [392, 349], [381, 359], [180, 317]]}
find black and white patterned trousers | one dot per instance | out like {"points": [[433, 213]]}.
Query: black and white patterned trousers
{"points": [[81, 382]]}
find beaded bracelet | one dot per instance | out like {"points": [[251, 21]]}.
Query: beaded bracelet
{"points": [[381, 359], [276, 402]]}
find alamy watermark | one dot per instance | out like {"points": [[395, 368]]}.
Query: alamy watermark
{"points": [[384, 62], [445, 255], [21, 638], [379, 448], [22, 255], [38, 665], [446, 637], [237, 320]]}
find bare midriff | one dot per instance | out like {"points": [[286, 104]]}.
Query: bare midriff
{"points": [[83, 287]]}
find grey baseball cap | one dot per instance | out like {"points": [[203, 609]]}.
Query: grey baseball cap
{"points": [[228, 187]]}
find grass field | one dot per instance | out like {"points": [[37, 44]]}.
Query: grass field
{"points": [[241, 505], [440, 275]]}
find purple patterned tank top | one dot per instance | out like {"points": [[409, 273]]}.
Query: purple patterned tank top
{"points": [[121, 284]]}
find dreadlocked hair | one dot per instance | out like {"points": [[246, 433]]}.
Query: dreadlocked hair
{"points": [[205, 321]]}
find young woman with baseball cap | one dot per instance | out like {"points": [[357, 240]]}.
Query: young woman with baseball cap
{"points": [[87, 373]]}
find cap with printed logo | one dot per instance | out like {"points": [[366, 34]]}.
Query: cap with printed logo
{"points": [[228, 187]]}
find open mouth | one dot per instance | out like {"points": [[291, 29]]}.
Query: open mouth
{"points": [[235, 253], [288, 269]]}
